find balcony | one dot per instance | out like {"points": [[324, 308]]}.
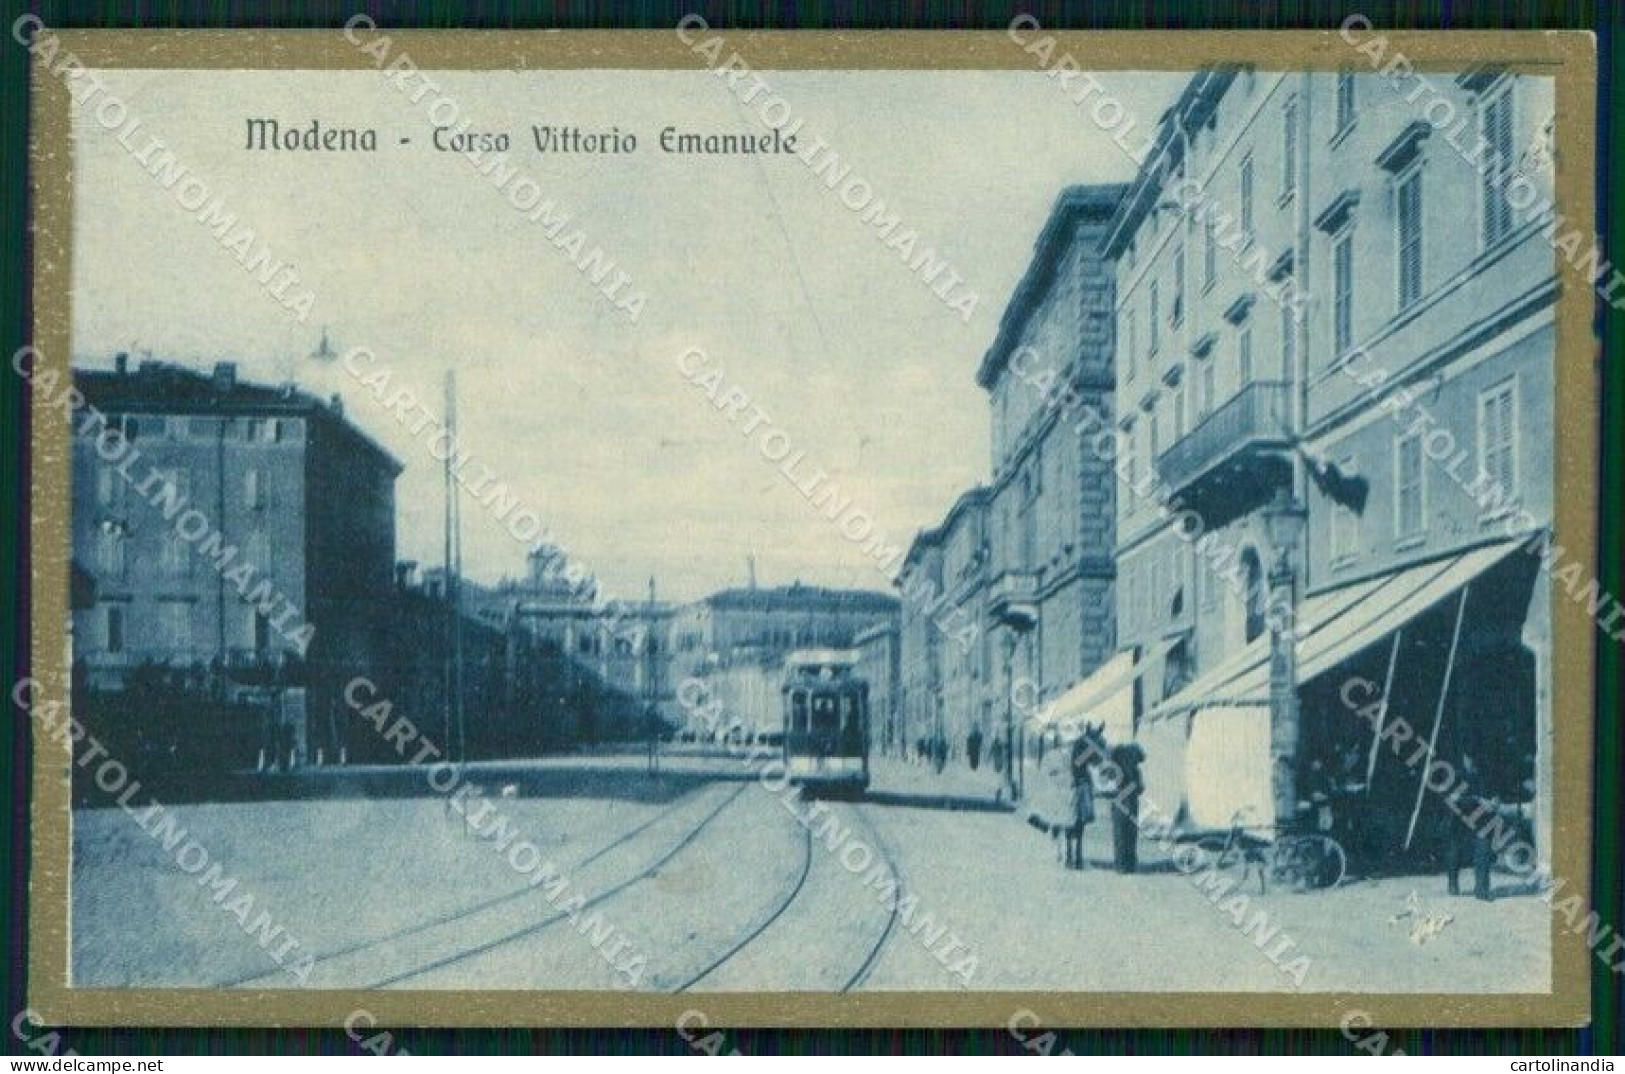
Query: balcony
{"points": [[1233, 455], [1012, 599]]}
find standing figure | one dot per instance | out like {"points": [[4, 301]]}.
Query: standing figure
{"points": [[1127, 758], [1469, 830], [1086, 756]]}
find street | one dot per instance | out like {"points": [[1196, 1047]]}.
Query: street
{"points": [[704, 877]]}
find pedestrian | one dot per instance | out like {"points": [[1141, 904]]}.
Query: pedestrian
{"points": [[973, 748], [1128, 758], [1466, 834], [1085, 757]]}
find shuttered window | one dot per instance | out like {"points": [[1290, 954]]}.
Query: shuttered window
{"points": [[1409, 490], [1156, 318], [1247, 196], [1497, 437], [1345, 100], [1209, 252], [1342, 293], [1289, 148], [1496, 131], [1409, 218]]}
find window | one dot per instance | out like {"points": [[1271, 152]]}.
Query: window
{"points": [[111, 552], [1495, 132], [1289, 148], [260, 630], [173, 557], [1209, 581], [108, 489], [1345, 523], [1209, 251], [254, 489], [175, 624], [1179, 410], [1153, 440], [115, 628], [1207, 387], [1244, 354], [1176, 314], [1247, 196], [1498, 444], [1289, 342], [1155, 318], [1128, 344], [1342, 292], [257, 550], [1410, 488], [1409, 217], [1345, 101]]}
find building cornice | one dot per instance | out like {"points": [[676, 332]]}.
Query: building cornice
{"points": [[1076, 203]]}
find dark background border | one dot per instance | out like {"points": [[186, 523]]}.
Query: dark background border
{"points": [[1606, 19]]}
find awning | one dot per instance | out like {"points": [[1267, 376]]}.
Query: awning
{"points": [[1101, 695], [1336, 626]]}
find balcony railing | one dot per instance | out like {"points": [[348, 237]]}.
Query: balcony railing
{"points": [[1256, 417], [1013, 597]]}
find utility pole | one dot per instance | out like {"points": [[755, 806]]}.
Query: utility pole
{"points": [[453, 566]]}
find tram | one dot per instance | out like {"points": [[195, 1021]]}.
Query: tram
{"points": [[826, 722]]}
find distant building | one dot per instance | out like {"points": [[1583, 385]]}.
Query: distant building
{"points": [[920, 641], [242, 529], [746, 632], [878, 665], [625, 644], [963, 629]]}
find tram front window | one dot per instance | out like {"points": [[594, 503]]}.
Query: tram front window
{"points": [[826, 718], [798, 711]]}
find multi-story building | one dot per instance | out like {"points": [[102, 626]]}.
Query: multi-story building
{"points": [[624, 644], [1051, 522], [920, 641], [244, 529], [1330, 310], [739, 637], [964, 632], [879, 665]]}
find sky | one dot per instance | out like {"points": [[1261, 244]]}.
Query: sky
{"points": [[585, 415]]}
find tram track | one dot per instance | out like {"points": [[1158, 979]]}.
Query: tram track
{"points": [[825, 899], [516, 935], [768, 922], [878, 845], [453, 916]]}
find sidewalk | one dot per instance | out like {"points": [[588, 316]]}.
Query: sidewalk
{"points": [[955, 785]]}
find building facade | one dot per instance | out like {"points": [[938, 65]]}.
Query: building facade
{"points": [[241, 529], [964, 648], [920, 642], [1051, 520], [624, 644], [879, 665], [1330, 309]]}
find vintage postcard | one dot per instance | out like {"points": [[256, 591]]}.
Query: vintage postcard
{"points": [[694, 528]]}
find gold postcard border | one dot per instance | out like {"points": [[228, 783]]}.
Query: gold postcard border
{"points": [[1568, 56]]}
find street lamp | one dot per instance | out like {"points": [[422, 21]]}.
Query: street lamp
{"points": [[1284, 520]]}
